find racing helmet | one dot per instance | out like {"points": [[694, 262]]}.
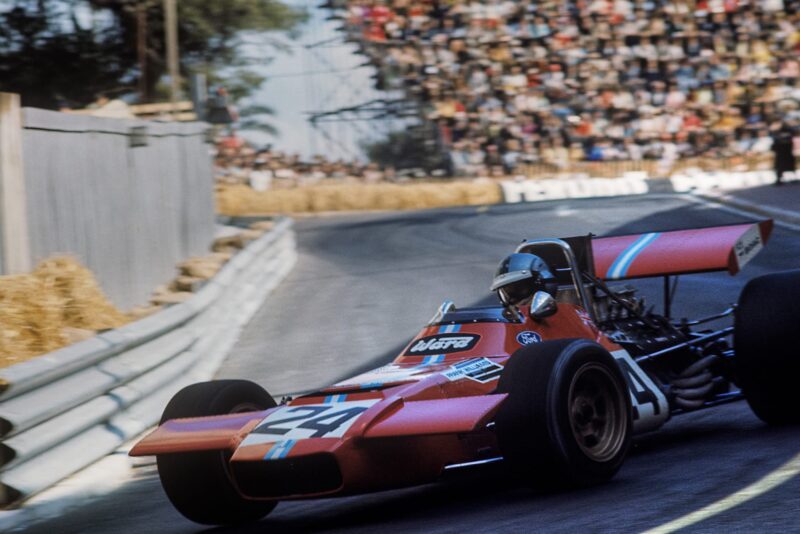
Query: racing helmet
{"points": [[520, 275]]}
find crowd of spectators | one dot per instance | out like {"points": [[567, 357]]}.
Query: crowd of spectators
{"points": [[513, 82], [239, 162]]}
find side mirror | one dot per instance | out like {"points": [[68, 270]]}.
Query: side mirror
{"points": [[542, 305]]}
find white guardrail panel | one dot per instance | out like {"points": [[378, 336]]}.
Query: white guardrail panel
{"points": [[65, 410], [634, 183]]}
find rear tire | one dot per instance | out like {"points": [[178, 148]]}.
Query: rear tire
{"points": [[765, 341], [567, 419], [199, 484]]}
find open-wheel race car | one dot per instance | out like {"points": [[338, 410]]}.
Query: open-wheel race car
{"points": [[553, 381]]}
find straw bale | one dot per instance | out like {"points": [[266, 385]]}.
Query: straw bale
{"points": [[162, 289], [241, 200], [175, 297], [221, 257], [30, 318], [140, 312], [56, 304], [199, 267], [187, 283], [250, 235], [263, 226], [85, 305], [76, 335], [228, 243]]}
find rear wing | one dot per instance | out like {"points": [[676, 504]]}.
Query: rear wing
{"points": [[679, 252]]}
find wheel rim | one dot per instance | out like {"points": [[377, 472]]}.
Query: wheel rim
{"points": [[597, 412]]}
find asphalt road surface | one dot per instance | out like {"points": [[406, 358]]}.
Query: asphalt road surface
{"points": [[365, 284]]}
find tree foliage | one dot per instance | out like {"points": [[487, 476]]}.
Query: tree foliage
{"points": [[406, 149], [58, 53], [52, 60]]}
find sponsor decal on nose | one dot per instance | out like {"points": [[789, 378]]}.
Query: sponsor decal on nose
{"points": [[442, 344]]}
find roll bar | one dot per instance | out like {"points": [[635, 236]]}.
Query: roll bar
{"points": [[529, 245]]}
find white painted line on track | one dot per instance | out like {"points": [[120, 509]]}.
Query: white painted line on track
{"points": [[768, 482], [708, 201]]}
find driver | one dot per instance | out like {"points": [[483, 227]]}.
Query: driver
{"points": [[520, 276]]}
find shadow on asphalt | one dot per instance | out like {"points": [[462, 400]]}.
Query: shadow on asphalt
{"points": [[491, 488]]}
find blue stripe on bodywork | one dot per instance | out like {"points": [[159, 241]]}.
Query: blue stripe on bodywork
{"points": [[623, 262], [439, 358], [430, 360], [280, 449]]}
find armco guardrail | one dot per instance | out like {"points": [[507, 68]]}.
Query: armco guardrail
{"points": [[630, 184], [64, 410]]}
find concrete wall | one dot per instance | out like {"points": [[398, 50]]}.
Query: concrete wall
{"points": [[129, 213]]}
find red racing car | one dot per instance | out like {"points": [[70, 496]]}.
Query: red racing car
{"points": [[553, 381]]}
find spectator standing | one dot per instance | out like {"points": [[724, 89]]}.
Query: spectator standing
{"points": [[783, 147]]}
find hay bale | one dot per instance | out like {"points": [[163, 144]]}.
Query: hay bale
{"points": [[30, 318], [85, 305], [187, 283], [231, 244], [263, 226], [165, 299], [76, 335], [221, 257], [250, 235], [199, 267], [228, 243], [241, 200], [140, 312], [485, 192], [58, 303]]}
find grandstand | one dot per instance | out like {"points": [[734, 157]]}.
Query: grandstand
{"points": [[515, 83]]}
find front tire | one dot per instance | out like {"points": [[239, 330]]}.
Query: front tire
{"points": [[567, 419], [199, 484], [765, 343]]}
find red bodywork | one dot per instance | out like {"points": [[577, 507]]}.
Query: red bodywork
{"points": [[420, 422], [404, 423]]}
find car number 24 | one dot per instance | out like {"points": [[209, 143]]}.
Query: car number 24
{"points": [[312, 420]]}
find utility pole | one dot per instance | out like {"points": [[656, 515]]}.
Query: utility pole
{"points": [[171, 34], [141, 47]]}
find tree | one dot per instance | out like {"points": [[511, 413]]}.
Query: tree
{"points": [[52, 60], [53, 56], [414, 147]]}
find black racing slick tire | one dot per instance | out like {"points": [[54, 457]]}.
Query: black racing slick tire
{"points": [[766, 347], [199, 484], [567, 420]]}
